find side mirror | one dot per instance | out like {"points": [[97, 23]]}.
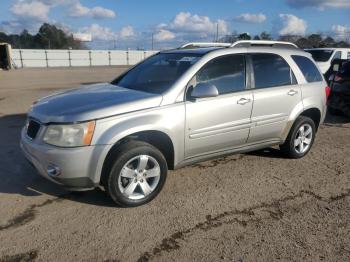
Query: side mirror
{"points": [[203, 90]]}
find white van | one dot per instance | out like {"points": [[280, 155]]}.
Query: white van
{"points": [[325, 56]]}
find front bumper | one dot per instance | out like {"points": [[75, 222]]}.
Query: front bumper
{"points": [[76, 165]]}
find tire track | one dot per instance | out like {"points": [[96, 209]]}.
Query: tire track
{"points": [[242, 217], [23, 257], [29, 214]]}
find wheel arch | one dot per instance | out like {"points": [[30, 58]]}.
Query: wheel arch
{"points": [[158, 139], [313, 112]]}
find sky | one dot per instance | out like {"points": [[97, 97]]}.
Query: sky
{"points": [[131, 23]]}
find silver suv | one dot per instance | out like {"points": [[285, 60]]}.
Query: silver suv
{"points": [[175, 108]]}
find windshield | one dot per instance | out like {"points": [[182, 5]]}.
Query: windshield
{"points": [[157, 73], [321, 55]]}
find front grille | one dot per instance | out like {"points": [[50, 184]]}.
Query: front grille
{"points": [[33, 129]]}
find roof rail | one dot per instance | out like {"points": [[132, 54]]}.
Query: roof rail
{"points": [[208, 44], [247, 43]]}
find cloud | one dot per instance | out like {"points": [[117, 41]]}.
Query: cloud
{"points": [[186, 22], [97, 12], [292, 25], [188, 27], [34, 10], [341, 32], [322, 4], [30, 14], [126, 32], [251, 18], [164, 35], [99, 32]]}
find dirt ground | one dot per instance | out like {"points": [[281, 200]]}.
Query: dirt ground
{"points": [[247, 207]]}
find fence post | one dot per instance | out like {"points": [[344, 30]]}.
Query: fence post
{"points": [[20, 57], [47, 61], [69, 59], [127, 57], [109, 58], [90, 58]]}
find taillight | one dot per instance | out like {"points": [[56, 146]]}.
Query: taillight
{"points": [[328, 92]]}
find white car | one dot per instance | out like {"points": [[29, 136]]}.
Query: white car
{"points": [[325, 56]]}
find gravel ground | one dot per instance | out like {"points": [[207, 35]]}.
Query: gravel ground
{"points": [[246, 207]]}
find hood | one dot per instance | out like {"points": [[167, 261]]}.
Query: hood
{"points": [[91, 102], [324, 66]]}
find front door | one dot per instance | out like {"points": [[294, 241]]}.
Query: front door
{"points": [[222, 122]]}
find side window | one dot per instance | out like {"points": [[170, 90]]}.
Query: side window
{"points": [[308, 69], [348, 55], [227, 73], [271, 70], [337, 55]]}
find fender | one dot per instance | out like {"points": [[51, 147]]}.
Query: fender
{"points": [[169, 120]]}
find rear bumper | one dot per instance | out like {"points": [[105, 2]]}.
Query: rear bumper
{"points": [[75, 168]]}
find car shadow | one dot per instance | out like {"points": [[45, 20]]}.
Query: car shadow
{"points": [[269, 152], [17, 175]]}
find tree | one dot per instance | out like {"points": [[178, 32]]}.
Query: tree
{"points": [[49, 36], [342, 44], [256, 37], [315, 40], [265, 36], [244, 36], [289, 38], [303, 43], [328, 42]]}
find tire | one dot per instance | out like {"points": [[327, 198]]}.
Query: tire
{"points": [[138, 173], [297, 145]]}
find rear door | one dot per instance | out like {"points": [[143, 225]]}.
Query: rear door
{"points": [[276, 94]]}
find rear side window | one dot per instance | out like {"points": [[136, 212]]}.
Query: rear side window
{"points": [[308, 69], [271, 70]]}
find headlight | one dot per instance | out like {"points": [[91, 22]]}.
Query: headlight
{"points": [[70, 135]]}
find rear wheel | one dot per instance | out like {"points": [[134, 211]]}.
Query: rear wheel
{"points": [[300, 138], [137, 174]]}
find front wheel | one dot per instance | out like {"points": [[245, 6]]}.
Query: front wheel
{"points": [[137, 174], [300, 138]]}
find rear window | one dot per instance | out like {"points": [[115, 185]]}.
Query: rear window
{"points": [[271, 70], [308, 69], [321, 55]]}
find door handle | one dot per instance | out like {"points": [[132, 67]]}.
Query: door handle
{"points": [[292, 92], [243, 101]]}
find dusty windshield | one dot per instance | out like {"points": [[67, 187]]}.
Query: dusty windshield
{"points": [[158, 73]]}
